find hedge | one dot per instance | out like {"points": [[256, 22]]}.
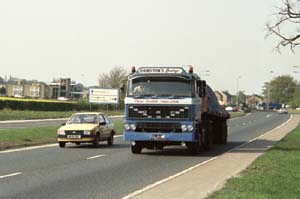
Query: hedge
{"points": [[44, 105]]}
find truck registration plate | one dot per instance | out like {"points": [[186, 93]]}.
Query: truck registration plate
{"points": [[158, 137], [74, 136]]}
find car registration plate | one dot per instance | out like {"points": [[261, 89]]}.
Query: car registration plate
{"points": [[74, 136]]}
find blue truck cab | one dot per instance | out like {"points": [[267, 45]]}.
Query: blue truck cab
{"points": [[164, 106]]}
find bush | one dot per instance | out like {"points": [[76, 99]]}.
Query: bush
{"points": [[50, 105], [37, 105]]}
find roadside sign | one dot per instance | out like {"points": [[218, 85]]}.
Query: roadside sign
{"points": [[104, 96]]}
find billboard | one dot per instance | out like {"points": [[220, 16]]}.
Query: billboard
{"points": [[104, 96]]}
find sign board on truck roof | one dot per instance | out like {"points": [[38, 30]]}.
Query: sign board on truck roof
{"points": [[104, 96]]}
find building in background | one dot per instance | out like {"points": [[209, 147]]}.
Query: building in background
{"points": [[36, 89], [64, 88], [253, 100], [224, 97], [61, 88]]}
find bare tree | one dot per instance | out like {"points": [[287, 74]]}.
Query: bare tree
{"points": [[113, 79], [287, 18]]}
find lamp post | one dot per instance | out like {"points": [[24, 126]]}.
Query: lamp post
{"points": [[237, 90]]}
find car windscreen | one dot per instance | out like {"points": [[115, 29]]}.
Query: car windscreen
{"points": [[83, 118], [160, 86]]}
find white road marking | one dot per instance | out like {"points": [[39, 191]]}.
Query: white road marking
{"points": [[96, 156], [10, 175], [37, 147], [133, 194], [28, 148]]}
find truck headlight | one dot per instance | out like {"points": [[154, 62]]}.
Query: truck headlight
{"points": [[190, 127], [86, 132], [61, 132], [183, 128], [133, 127], [127, 127]]}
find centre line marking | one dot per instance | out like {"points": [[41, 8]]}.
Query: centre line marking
{"points": [[10, 175], [96, 156]]}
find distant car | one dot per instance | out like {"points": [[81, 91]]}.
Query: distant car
{"points": [[62, 99], [283, 111], [88, 127], [229, 109]]}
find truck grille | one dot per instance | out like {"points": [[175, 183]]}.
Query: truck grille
{"points": [[158, 112], [158, 127]]}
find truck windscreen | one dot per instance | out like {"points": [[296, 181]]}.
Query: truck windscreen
{"points": [[160, 87]]}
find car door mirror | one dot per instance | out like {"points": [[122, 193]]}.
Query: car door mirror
{"points": [[63, 124], [102, 123]]}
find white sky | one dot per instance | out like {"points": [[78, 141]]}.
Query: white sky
{"points": [[42, 39]]}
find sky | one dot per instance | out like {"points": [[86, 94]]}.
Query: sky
{"points": [[80, 39]]}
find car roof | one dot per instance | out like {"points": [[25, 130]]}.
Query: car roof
{"points": [[86, 113]]}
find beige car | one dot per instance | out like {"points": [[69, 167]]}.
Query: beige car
{"points": [[91, 127]]}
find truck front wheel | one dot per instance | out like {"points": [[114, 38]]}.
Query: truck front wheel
{"points": [[136, 148], [195, 147]]}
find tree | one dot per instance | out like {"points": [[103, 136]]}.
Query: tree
{"points": [[2, 91], [114, 79], [287, 18], [281, 89], [2, 81], [295, 102]]}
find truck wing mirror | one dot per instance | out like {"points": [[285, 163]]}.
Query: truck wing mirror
{"points": [[123, 86], [201, 85]]}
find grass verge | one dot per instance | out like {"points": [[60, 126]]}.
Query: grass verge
{"points": [[236, 114], [27, 115], [274, 175], [27, 137], [13, 138]]}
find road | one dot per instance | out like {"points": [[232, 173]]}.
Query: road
{"points": [[39, 123], [110, 172]]}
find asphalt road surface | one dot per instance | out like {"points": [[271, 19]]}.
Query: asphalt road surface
{"points": [[79, 172], [38, 123]]}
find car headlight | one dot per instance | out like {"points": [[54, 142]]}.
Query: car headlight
{"points": [[86, 132], [127, 127], [183, 128], [190, 127], [133, 127], [61, 132]]}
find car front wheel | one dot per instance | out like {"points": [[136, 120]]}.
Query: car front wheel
{"points": [[62, 144], [96, 142]]}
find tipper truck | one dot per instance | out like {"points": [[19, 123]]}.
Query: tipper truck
{"points": [[172, 106]]}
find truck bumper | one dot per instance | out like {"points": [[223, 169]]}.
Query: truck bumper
{"points": [[168, 137]]}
